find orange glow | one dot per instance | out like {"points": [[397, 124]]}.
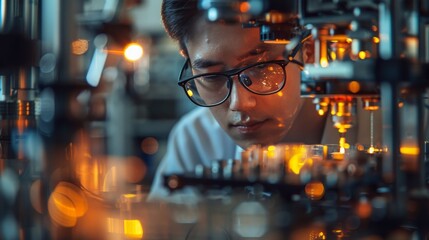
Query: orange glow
{"points": [[314, 190], [133, 52], [360, 147], [321, 112], [364, 209], [271, 151], [277, 41], [324, 62], [79, 46], [333, 56], [75, 194], [149, 145], [244, 7], [133, 229], [280, 94], [376, 40], [410, 150], [354, 86], [135, 169], [321, 235], [115, 52], [298, 160], [338, 232], [67, 203], [62, 210], [362, 55]]}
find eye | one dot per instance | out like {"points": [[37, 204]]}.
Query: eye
{"points": [[245, 80]]}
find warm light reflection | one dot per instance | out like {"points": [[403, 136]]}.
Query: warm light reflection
{"points": [[298, 160], [376, 40], [149, 145], [354, 86], [190, 93], [364, 209], [66, 203], [79, 46], [110, 182], [133, 52], [277, 41], [314, 190], [324, 62], [333, 56], [271, 151], [410, 150], [321, 112], [339, 233], [135, 169], [62, 210], [115, 225], [244, 7], [321, 236], [133, 229], [362, 55]]}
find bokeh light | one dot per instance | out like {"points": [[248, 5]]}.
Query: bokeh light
{"points": [[66, 203], [149, 145], [135, 169], [79, 46], [133, 52], [314, 190]]}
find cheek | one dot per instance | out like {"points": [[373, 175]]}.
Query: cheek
{"points": [[288, 99], [290, 95]]}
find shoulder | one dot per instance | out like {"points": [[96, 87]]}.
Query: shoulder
{"points": [[198, 133]]}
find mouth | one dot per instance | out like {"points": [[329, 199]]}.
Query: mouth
{"points": [[247, 127]]}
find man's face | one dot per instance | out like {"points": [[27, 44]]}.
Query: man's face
{"points": [[247, 117]]}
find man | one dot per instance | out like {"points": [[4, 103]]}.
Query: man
{"points": [[249, 92]]}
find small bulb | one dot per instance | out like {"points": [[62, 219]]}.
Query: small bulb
{"points": [[133, 52]]}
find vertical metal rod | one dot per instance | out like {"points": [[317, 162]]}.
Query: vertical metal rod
{"points": [[421, 141]]}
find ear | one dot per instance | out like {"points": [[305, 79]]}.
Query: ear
{"points": [[308, 51]]}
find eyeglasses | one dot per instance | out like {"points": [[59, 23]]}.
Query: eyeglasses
{"points": [[212, 89]]}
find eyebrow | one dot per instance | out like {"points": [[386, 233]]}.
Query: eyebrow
{"points": [[206, 63]]}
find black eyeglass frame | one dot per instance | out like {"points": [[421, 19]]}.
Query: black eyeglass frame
{"points": [[236, 72]]}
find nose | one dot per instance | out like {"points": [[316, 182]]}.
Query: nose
{"points": [[241, 99]]}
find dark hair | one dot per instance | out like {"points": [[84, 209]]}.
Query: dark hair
{"points": [[178, 16]]}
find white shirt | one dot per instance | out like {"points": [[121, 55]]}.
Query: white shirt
{"points": [[195, 140]]}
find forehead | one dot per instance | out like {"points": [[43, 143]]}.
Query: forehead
{"points": [[222, 42]]}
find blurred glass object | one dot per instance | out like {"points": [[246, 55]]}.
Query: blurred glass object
{"points": [[250, 220]]}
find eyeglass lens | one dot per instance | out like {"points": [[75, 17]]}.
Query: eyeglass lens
{"points": [[208, 90]]}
